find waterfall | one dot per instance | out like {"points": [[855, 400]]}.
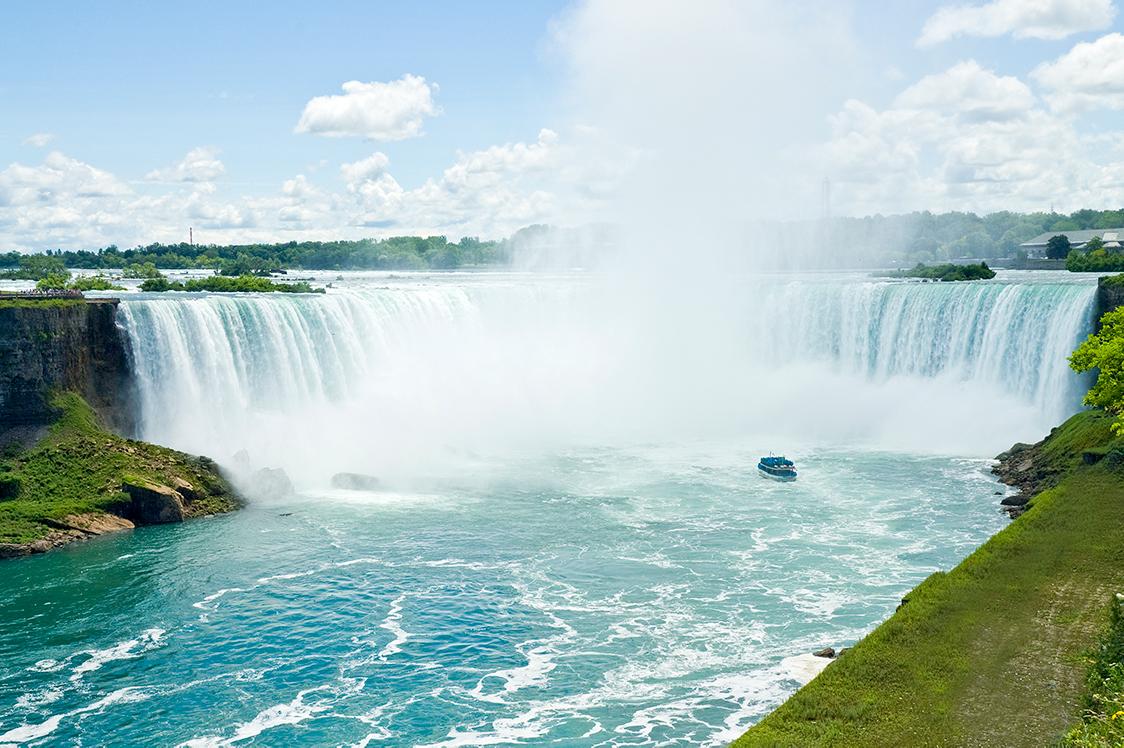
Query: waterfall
{"points": [[407, 373]]}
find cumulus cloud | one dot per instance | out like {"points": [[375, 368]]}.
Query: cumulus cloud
{"points": [[199, 165], [1089, 76], [491, 192], [394, 110], [39, 139], [966, 139], [366, 169], [1037, 19], [970, 91]]}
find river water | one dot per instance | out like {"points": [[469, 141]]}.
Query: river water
{"points": [[571, 545]]}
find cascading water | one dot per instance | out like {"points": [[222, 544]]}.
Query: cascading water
{"points": [[572, 546], [374, 376]]}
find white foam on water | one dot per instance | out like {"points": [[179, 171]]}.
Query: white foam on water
{"points": [[392, 623], [39, 699], [124, 650], [803, 667], [26, 733], [292, 713]]}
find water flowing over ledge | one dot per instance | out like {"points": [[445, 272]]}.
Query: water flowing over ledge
{"points": [[481, 366]]}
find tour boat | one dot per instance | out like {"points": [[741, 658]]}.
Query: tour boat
{"points": [[778, 468]]}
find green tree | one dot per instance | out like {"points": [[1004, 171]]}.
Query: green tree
{"points": [[53, 281], [1104, 352], [1093, 245], [1058, 247]]}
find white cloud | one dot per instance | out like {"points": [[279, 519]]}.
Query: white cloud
{"points": [[39, 139], [969, 91], [1037, 19], [1089, 76], [367, 169], [199, 165], [58, 178], [489, 192], [380, 111], [966, 139]]}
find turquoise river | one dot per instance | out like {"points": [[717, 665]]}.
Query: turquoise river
{"points": [[570, 543]]}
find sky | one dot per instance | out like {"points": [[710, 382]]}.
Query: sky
{"points": [[128, 122]]}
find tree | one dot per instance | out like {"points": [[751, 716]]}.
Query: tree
{"points": [[1058, 247], [1104, 352], [1094, 244]]}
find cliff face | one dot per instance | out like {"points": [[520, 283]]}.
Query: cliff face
{"points": [[63, 345], [1109, 296]]}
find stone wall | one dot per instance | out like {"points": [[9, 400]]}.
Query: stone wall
{"points": [[63, 345]]}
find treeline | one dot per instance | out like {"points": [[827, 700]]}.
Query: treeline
{"points": [[394, 253], [925, 236]]}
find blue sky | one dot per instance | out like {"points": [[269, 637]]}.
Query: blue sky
{"points": [[125, 122]]}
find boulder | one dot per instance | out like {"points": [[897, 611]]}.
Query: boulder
{"points": [[1016, 500], [272, 483], [11, 550], [185, 489], [92, 523], [153, 504], [355, 482], [40, 546], [828, 652]]}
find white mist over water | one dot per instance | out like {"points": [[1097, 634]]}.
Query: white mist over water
{"points": [[414, 378]]}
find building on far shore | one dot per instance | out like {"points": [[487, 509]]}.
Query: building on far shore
{"points": [[1113, 240]]}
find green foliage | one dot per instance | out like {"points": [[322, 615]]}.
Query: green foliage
{"points": [[1057, 247], [225, 284], [9, 486], [93, 283], [1104, 352], [35, 267], [1097, 261], [1102, 723], [17, 303], [140, 270], [246, 264], [79, 467], [393, 253], [1094, 244], [53, 281], [989, 653], [949, 272], [160, 284]]}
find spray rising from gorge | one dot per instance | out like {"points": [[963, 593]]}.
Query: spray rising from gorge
{"points": [[407, 378]]}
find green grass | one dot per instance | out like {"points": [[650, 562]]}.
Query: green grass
{"points": [[37, 303], [1102, 721], [78, 467], [993, 652]]}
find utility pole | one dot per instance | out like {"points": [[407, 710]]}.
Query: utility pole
{"points": [[191, 236]]}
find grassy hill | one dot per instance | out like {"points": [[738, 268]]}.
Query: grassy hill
{"points": [[995, 652]]}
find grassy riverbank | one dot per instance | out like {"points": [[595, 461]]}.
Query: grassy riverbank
{"points": [[996, 651], [78, 469]]}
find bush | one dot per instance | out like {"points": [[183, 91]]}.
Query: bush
{"points": [[1103, 714], [53, 282], [225, 284], [9, 486], [93, 283], [1097, 261], [949, 272]]}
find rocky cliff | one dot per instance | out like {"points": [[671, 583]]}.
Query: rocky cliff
{"points": [[62, 344], [1110, 295]]}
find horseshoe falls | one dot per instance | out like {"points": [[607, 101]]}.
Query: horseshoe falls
{"points": [[570, 543]]}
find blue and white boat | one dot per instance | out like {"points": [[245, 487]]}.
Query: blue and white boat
{"points": [[777, 468]]}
